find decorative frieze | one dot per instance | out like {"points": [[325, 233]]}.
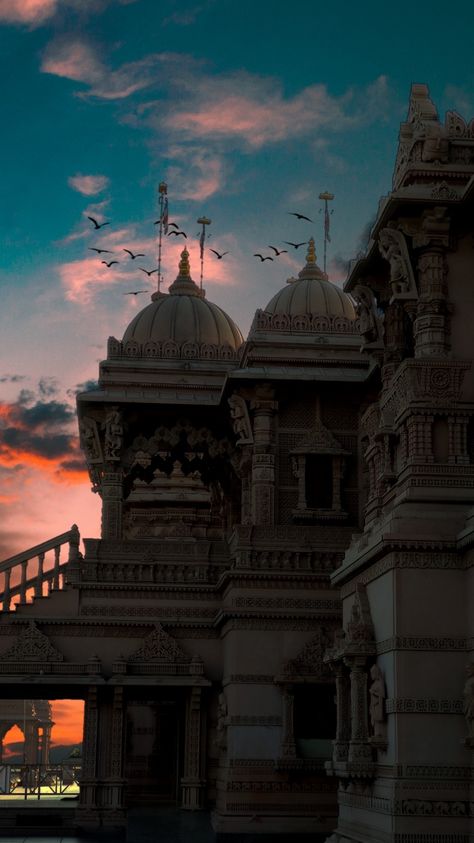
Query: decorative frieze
{"points": [[406, 705]]}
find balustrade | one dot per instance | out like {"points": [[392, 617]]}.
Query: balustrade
{"points": [[33, 574]]}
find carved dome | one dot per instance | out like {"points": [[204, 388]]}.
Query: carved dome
{"points": [[311, 294], [183, 316]]}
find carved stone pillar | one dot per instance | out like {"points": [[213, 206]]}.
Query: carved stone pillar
{"points": [[88, 807], [288, 744], [112, 787], [263, 464], [431, 328], [359, 747], [343, 707], [112, 498], [193, 783]]}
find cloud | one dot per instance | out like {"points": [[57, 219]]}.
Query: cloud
{"points": [[12, 378], [198, 173], [88, 185], [460, 99], [80, 61], [32, 12], [39, 434]]}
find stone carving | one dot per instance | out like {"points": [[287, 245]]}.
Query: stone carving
{"points": [[393, 247], [360, 627], [468, 707], [240, 419], [158, 646], [370, 324], [319, 324], [169, 350], [309, 662], [32, 646], [377, 696], [222, 722], [89, 439], [113, 434]]}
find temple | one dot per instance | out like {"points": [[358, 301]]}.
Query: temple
{"points": [[274, 624]]}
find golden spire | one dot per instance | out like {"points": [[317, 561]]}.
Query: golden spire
{"points": [[184, 268], [311, 253], [184, 284]]}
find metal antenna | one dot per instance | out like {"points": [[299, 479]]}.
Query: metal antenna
{"points": [[326, 197], [202, 239], [163, 204]]}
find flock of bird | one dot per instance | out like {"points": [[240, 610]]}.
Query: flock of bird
{"points": [[177, 232]]}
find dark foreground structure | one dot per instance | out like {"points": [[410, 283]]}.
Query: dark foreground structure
{"points": [[285, 520]]}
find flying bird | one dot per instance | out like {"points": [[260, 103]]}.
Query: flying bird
{"points": [[299, 216], [178, 232], [97, 225], [148, 271], [138, 255], [218, 256], [134, 292], [109, 264], [173, 224], [268, 258], [100, 251], [295, 245], [278, 251]]}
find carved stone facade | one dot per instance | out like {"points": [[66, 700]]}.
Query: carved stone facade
{"points": [[275, 622]]}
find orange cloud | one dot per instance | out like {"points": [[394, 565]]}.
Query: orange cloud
{"points": [[68, 717], [31, 12]]}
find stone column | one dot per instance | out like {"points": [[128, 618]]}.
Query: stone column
{"points": [[432, 314], [193, 783], [112, 503], [343, 707], [288, 743], [88, 803], [263, 464], [359, 747], [113, 785], [31, 748]]}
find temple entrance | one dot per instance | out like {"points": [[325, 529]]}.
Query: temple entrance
{"points": [[154, 748]]}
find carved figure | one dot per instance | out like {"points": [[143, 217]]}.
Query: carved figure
{"points": [[369, 323], [377, 696], [435, 145], [113, 434], [221, 731], [240, 419], [90, 443], [393, 248], [469, 700]]}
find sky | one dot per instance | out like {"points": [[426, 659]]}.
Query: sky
{"points": [[248, 111]]}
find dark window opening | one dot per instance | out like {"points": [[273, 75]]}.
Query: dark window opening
{"points": [[318, 481], [315, 712]]}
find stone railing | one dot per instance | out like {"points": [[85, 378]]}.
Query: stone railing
{"points": [[321, 324], [33, 573]]}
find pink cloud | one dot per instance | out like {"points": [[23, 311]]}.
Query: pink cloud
{"points": [[198, 174], [88, 185], [31, 12]]}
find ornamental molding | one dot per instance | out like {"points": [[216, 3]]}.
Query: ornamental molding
{"points": [[303, 323], [407, 705], [32, 645], [309, 662], [425, 382], [318, 440], [159, 646], [255, 720], [426, 643], [169, 350]]}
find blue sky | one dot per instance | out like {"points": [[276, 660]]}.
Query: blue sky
{"points": [[247, 109]]}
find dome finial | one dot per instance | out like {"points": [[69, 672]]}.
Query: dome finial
{"points": [[311, 253], [184, 284], [184, 268]]}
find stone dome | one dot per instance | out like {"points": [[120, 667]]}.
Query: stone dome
{"points": [[311, 294], [184, 316]]}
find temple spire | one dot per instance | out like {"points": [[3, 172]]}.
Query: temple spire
{"points": [[311, 269], [184, 284]]}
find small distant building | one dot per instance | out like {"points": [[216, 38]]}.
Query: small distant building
{"points": [[34, 719]]}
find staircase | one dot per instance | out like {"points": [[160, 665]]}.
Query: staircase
{"points": [[39, 570]]}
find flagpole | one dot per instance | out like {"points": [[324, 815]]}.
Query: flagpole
{"points": [[163, 191], [202, 221], [326, 197]]}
